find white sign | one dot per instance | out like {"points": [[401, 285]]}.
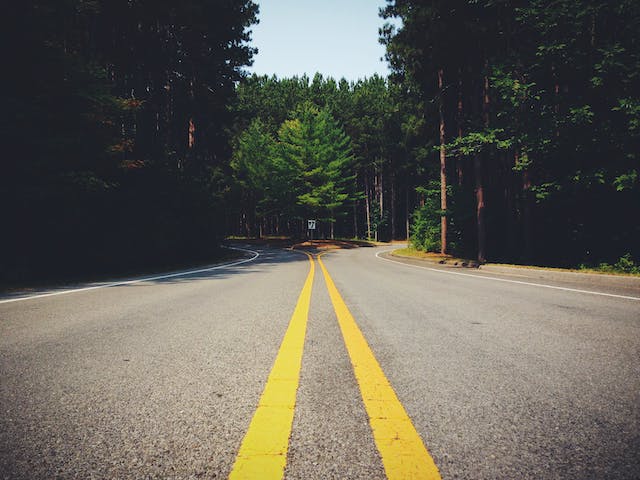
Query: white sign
{"points": [[311, 224]]}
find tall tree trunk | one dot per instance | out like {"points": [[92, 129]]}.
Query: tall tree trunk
{"points": [[355, 219], [377, 226], [556, 98], [380, 203], [192, 125], [443, 166], [246, 224], [477, 164], [478, 167], [407, 213], [393, 207], [527, 217], [355, 209], [367, 204], [459, 118], [510, 217]]}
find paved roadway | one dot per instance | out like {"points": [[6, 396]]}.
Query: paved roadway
{"points": [[161, 378]]}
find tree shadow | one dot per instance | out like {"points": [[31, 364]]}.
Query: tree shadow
{"points": [[267, 259]]}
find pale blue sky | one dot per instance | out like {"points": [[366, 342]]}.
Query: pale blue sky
{"points": [[338, 38]]}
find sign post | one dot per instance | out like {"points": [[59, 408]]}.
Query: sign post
{"points": [[311, 226]]}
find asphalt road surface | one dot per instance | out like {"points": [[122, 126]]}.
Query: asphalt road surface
{"points": [[501, 376]]}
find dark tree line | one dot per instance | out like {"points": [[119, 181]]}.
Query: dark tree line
{"points": [[508, 130], [114, 130], [533, 107]]}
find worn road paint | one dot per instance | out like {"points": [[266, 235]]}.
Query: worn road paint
{"points": [[403, 453], [263, 453]]}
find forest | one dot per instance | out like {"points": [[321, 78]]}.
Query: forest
{"points": [[115, 128], [533, 108], [134, 137]]}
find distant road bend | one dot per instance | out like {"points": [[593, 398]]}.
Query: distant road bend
{"points": [[322, 363]]}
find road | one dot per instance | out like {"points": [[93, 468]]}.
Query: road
{"points": [[163, 378]]}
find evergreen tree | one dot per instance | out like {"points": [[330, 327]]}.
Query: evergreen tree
{"points": [[320, 152]]}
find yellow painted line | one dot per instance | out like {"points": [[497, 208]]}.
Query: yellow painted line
{"points": [[263, 453], [403, 453]]}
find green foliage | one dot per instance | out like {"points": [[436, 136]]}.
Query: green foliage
{"points": [[425, 228], [325, 163], [379, 219], [626, 181], [544, 191], [476, 142], [516, 91], [631, 108], [255, 169], [625, 264], [304, 174], [540, 102], [425, 232], [382, 138], [131, 132]]}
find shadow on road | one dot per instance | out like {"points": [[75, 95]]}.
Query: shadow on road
{"points": [[267, 259], [269, 256]]}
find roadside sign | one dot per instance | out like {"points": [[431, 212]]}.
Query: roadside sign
{"points": [[311, 224]]}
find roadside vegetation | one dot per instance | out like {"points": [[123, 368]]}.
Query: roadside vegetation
{"points": [[436, 257], [623, 267], [507, 132], [532, 125]]}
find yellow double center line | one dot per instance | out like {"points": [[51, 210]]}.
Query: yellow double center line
{"points": [[263, 451]]}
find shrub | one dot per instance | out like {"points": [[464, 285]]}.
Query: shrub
{"points": [[626, 264], [425, 230]]}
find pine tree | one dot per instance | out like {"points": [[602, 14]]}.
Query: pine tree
{"points": [[320, 152]]}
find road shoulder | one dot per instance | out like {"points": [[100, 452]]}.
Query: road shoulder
{"points": [[609, 284]]}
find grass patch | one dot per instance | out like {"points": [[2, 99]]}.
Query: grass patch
{"points": [[581, 269], [622, 269], [435, 257]]}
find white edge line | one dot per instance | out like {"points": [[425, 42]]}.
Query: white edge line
{"points": [[139, 280], [541, 285]]}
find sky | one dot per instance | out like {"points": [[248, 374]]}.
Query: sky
{"points": [[338, 38]]}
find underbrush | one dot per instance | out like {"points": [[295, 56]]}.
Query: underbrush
{"points": [[625, 264]]}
